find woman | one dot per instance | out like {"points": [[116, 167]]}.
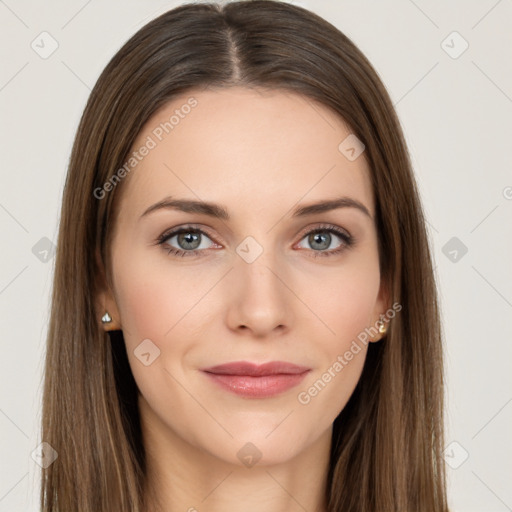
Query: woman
{"points": [[244, 312]]}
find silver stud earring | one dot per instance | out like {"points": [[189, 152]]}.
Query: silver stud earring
{"points": [[106, 318]]}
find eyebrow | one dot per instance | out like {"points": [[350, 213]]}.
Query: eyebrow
{"points": [[220, 212]]}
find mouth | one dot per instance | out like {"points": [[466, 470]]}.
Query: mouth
{"points": [[257, 381]]}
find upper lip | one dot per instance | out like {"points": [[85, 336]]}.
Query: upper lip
{"points": [[253, 369]]}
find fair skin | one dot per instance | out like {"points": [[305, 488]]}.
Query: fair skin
{"points": [[261, 155]]}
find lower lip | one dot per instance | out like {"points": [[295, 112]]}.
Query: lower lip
{"points": [[257, 387]]}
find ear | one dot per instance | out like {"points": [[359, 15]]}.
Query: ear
{"points": [[105, 301], [382, 304]]}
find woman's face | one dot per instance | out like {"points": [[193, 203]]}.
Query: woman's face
{"points": [[249, 282]]}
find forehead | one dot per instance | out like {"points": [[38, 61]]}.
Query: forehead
{"points": [[250, 148]]}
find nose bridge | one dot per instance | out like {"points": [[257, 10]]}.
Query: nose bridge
{"points": [[259, 299], [257, 267]]}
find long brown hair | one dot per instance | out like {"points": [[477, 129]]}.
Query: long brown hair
{"points": [[387, 442]]}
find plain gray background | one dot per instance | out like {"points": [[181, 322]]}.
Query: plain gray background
{"points": [[455, 105]]}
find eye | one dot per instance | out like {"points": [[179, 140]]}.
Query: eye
{"points": [[189, 240], [321, 240]]}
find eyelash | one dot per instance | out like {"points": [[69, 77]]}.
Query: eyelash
{"points": [[348, 240]]}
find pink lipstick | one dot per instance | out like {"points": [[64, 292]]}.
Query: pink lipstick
{"points": [[257, 381]]}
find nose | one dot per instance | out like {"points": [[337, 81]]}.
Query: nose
{"points": [[259, 299]]}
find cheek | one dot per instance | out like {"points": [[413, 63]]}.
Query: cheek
{"points": [[160, 302], [155, 296], [345, 300], [345, 303]]}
